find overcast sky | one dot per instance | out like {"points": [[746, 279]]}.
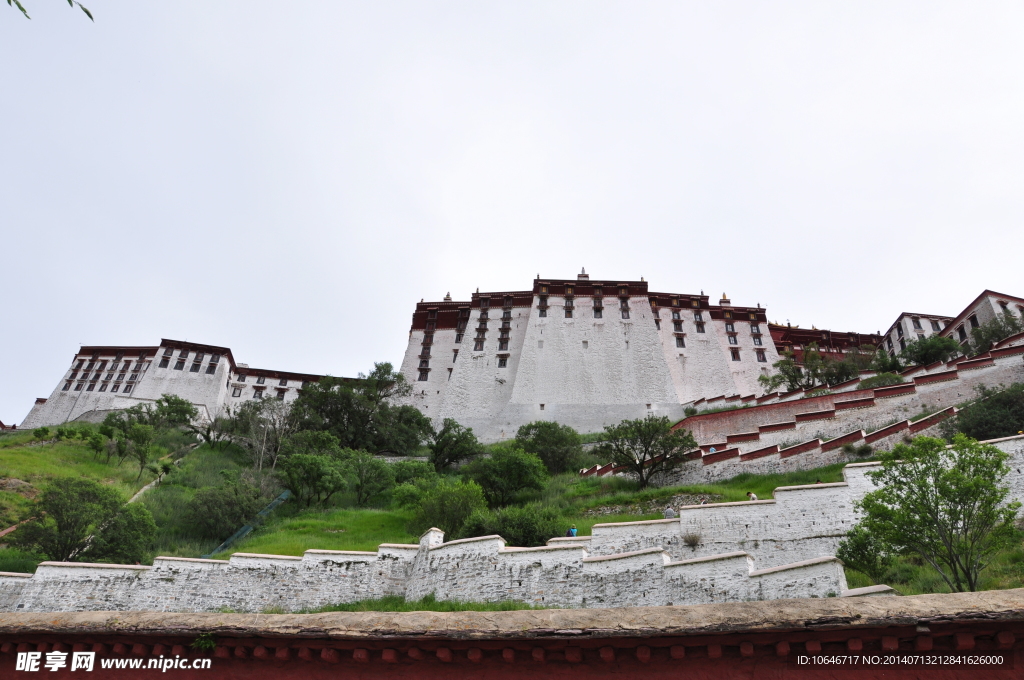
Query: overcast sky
{"points": [[289, 179]]}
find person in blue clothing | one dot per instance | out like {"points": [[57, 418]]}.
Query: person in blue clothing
{"points": [[572, 531]]}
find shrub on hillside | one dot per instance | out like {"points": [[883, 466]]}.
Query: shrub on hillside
{"points": [[368, 475], [314, 479], [505, 473], [447, 506], [880, 380], [998, 413], [82, 520], [527, 526], [408, 470], [559, 446], [988, 334], [41, 433], [219, 512]]}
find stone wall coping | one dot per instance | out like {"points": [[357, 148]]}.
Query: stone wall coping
{"points": [[870, 463], [343, 552], [16, 574], [630, 524], [1003, 439], [462, 541], [869, 590], [800, 487], [852, 613], [795, 565], [541, 548], [260, 556], [625, 555], [711, 558], [96, 565], [163, 558], [768, 501], [568, 539], [397, 546]]}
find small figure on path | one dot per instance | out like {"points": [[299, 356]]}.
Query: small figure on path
{"points": [[571, 532], [670, 513], [751, 496]]}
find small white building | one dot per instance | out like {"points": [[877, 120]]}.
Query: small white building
{"points": [[104, 379]]}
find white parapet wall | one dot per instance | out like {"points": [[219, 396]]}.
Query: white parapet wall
{"points": [[477, 569]]}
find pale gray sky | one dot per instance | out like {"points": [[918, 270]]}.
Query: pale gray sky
{"points": [[288, 179]]}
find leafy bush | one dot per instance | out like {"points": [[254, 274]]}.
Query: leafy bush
{"points": [[862, 551], [217, 513], [931, 349], [559, 446], [997, 413], [527, 526], [313, 478], [854, 450], [447, 506], [690, 411], [408, 470], [880, 380], [41, 433], [507, 472], [79, 519], [988, 334], [368, 475]]}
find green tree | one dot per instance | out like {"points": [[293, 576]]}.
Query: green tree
{"points": [[447, 506], [991, 332], [172, 411], [362, 413], [527, 526], [559, 446], [126, 538], [41, 433], [996, 413], [452, 445], [945, 505], [647, 447], [929, 350], [71, 3], [217, 512], [139, 438], [886, 363], [861, 550], [506, 473], [788, 374], [79, 519], [313, 479], [369, 476]]}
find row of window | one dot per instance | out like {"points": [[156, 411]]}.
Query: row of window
{"points": [[257, 393], [89, 387], [101, 366]]}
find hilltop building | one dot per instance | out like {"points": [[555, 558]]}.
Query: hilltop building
{"points": [[103, 379], [583, 352]]}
